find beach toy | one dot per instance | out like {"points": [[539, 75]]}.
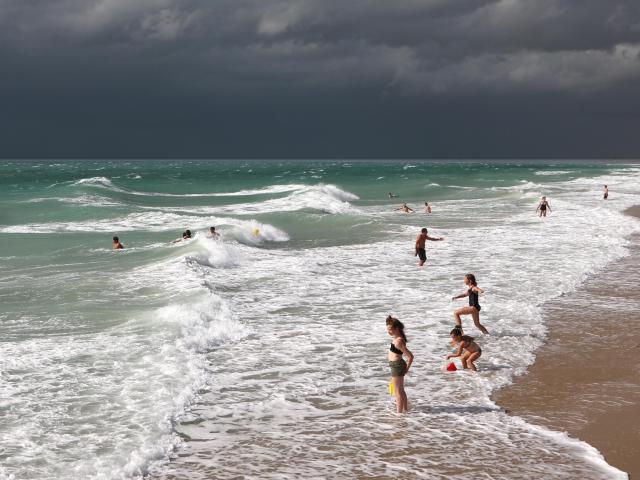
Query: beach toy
{"points": [[256, 232], [452, 367], [392, 390]]}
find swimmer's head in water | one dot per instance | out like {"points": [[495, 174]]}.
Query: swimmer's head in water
{"points": [[470, 279], [187, 233], [212, 229], [116, 240], [424, 230], [395, 327]]}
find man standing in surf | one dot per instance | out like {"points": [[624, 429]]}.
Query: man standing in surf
{"points": [[421, 252]]}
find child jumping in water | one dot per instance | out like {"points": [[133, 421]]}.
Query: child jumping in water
{"points": [[474, 306], [472, 350], [399, 367]]}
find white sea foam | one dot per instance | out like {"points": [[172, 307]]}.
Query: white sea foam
{"points": [[104, 182], [322, 198], [289, 349], [338, 380], [128, 385], [84, 200], [552, 172], [326, 198], [156, 221]]}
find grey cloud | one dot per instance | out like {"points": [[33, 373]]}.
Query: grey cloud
{"points": [[440, 44], [374, 63]]}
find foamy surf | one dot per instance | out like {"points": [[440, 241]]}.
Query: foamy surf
{"points": [[160, 360]]}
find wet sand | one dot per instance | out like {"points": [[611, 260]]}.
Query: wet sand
{"points": [[586, 378]]}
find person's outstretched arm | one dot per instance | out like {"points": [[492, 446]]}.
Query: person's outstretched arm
{"points": [[458, 352], [435, 239], [462, 295]]}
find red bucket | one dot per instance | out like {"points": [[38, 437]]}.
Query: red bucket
{"points": [[452, 367]]}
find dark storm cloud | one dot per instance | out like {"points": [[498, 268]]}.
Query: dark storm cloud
{"points": [[81, 76]]}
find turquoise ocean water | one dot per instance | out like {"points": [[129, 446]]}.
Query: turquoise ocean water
{"points": [[263, 355]]}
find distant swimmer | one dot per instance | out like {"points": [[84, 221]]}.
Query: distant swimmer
{"points": [[116, 244], [391, 195], [186, 235], [213, 234], [404, 208], [421, 241], [543, 206], [399, 368], [466, 344], [474, 306], [606, 192], [427, 207]]}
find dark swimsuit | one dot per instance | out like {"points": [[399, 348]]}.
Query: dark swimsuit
{"points": [[398, 367], [422, 254], [543, 205], [473, 299]]}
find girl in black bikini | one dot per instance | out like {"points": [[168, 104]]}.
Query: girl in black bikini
{"points": [[399, 367], [474, 306], [465, 342], [543, 206]]}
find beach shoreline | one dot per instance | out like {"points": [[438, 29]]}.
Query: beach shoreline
{"points": [[585, 375]]}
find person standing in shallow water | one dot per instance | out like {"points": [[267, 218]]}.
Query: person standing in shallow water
{"points": [[543, 206], [399, 368], [421, 241], [474, 306], [427, 207], [606, 192]]}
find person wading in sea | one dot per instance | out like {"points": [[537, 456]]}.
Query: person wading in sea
{"points": [[421, 252], [399, 367], [404, 208], [543, 206], [116, 244]]}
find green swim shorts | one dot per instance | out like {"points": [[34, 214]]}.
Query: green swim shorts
{"points": [[398, 368]]}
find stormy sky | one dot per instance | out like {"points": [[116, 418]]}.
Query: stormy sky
{"points": [[319, 79]]}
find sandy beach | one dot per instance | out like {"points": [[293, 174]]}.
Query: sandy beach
{"points": [[586, 378]]}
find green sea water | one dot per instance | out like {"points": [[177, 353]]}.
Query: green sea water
{"points": [[201, 358]]}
